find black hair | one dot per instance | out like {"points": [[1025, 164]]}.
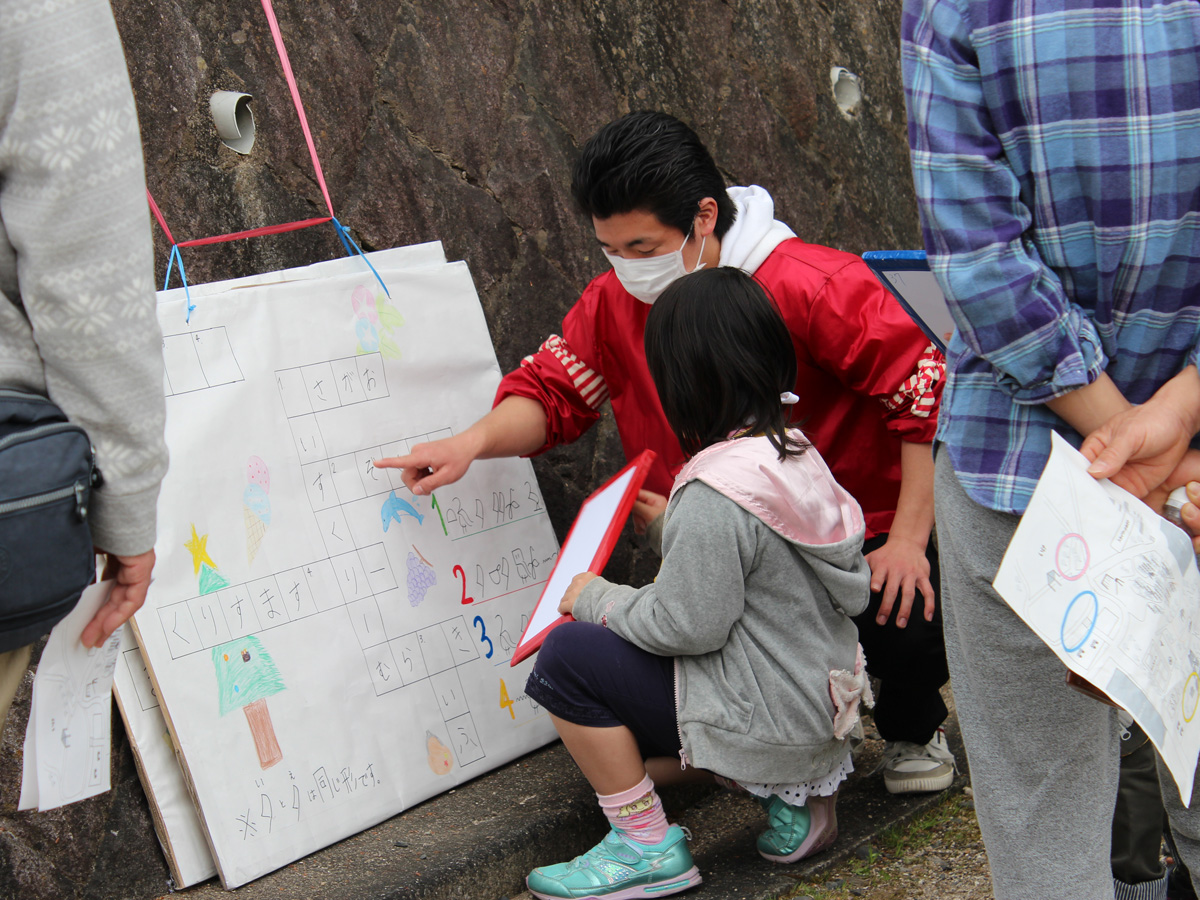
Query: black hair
{"points": [[650, 161], [720, 355]]}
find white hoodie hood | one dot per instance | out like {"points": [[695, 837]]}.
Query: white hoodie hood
{"points": [[755, 232]]}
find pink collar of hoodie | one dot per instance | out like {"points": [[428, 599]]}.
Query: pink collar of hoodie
{"points": [[797, 498]]}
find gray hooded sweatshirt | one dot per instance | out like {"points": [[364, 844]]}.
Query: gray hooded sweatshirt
{"points": [[762, 569]]}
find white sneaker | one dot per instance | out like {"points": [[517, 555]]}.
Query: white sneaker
{"points": [[910, 768]]}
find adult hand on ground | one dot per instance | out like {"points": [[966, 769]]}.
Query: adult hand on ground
{"points": [[430, 466], [646, 508], [132, 574], [899, 568], [567, 605]]}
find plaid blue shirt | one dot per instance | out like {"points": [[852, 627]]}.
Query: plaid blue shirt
{"points": [[1056, 153]]}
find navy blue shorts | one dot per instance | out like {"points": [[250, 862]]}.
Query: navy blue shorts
{"points": [[589, 676]]}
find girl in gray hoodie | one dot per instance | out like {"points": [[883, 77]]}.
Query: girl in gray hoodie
{"points": [[740, 661]]}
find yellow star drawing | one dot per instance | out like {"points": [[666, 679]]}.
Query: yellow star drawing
{"points": [[199, 551]]}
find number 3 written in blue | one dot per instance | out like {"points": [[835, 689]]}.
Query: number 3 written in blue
{"points": [[483, 637]]}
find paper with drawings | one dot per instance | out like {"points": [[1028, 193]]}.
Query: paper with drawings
{"points": [[1113, 590], [70, 715], [327, 648], [175, 820]]}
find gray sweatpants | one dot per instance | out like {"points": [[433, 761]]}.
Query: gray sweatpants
{"points": [[1043, 757]]}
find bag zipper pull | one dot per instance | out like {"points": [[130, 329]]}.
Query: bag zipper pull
{"points": [[80, 503]]}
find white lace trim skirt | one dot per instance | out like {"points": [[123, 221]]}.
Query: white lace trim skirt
{"points": [[798, 794]]}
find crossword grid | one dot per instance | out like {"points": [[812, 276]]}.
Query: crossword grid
{"points": [[195, 360], [335, 484]]}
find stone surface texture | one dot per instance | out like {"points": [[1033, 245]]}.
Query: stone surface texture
{"points": [[459, 121]]}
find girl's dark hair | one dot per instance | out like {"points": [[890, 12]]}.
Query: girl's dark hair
{"points": [[720, 356], [650, 161]]}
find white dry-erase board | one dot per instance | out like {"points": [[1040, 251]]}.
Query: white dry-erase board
{"points": [[587, 548], [327, 648], [905, 273]]}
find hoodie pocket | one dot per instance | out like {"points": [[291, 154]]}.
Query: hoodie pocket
{"points": [[711, 700]]}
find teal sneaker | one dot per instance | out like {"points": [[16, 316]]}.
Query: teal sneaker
{"points": [[794, 832], [619, 868]]}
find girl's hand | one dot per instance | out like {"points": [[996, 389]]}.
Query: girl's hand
{"points": [[567, 605], [646, 508]]}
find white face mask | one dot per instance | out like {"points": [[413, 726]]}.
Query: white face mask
{"points": [[647, 278]]}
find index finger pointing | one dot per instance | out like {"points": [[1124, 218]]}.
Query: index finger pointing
{"points": [[396, 462]]}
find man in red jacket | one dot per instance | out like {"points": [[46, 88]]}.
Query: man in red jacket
{"points": [[868, 381]]}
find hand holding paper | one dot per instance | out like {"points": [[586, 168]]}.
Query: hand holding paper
{"points": [[130, 577], [1140, 447], [1113, 590]]}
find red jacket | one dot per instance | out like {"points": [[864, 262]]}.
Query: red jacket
{"points": [[867, 377]]}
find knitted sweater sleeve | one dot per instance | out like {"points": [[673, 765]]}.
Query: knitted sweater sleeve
{"points": [[77, 304]]}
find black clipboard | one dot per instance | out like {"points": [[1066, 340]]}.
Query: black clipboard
{"points": [[905, 273]]}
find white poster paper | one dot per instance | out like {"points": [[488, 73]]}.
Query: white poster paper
{"points": [[329, 649], [1113, 590], [175, 820]]}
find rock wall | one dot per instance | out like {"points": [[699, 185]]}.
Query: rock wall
{"points": [[459, 121]]}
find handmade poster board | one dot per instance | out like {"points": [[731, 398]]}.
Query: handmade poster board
{"points": [[327, 648], [589, 544], [905, 273], [175, 820]]}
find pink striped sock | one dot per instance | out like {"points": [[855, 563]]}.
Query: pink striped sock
{"points": [[637, 812]]}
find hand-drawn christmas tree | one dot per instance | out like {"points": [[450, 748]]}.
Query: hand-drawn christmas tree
{"points": [[202, 564], [246, 677]]}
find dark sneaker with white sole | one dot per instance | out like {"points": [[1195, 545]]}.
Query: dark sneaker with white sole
{"points": [[910, 768]]}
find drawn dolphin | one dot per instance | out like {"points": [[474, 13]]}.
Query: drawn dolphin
{"points": [[394, 507]]}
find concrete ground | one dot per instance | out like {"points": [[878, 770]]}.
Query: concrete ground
{"points": [[477, 842]]}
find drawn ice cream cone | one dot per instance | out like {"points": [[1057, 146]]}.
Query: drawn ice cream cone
{"points": [[256, 505], [256, 530]]}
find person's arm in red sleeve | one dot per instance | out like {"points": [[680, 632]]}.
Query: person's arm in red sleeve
{"points": [[550, 399], [865, 337]]}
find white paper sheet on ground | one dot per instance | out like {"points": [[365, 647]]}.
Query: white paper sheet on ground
{"points": [[175, 820], [585, 539], [1113, 590], [327, 648], [70, 715]]}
